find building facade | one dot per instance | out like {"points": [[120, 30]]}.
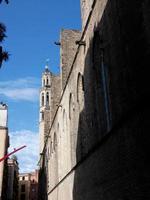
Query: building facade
{"points": [[4, 143], [13, 172], [96, 144], [28, 186]]}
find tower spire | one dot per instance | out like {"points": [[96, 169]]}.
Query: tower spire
{"points": [[47, 64]]}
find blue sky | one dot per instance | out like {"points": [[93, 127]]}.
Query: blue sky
{"points": [[32, 29]]}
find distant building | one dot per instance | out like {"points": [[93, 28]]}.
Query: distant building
{"points": [[28, 186], [4, 143], [13, 173]]}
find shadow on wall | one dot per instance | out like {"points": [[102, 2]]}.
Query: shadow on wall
{"points": [[113, 136], [42, 189]]}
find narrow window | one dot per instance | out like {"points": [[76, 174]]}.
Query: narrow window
{"points": [[104, 72], [101, 79], [42, 99], [80, 91], [42, 114], [47, 99], [55, 141], [51, 147], [47, 82], [70, 106]]}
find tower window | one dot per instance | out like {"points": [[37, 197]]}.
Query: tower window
{"points": [[42, 99], [47, 82], [42, 116], [47, 99], [43, 82]]}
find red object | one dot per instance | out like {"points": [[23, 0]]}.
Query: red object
{"points": [[9, 154]]}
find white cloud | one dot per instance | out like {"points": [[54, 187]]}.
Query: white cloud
{"points": [[27, 94], [27, 157], [26, 89]]}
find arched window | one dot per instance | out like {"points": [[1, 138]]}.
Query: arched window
{"points": [[71, 106], [44, 82], [80, 91], [47, 81], [101, 68], [47, 99], [42, 99]]}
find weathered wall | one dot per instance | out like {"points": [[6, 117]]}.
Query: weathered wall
{"points": [[67, 51], [116, 166], [86, 7]]}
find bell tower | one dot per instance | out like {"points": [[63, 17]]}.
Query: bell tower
{"points": [[45, 106]]}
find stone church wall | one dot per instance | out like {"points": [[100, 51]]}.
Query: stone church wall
{"points": [[99, 139]]}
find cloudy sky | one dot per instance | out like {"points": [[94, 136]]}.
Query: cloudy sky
{"points": [[32, 28]]}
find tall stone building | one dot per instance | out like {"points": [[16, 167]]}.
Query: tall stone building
{"points": [[97, 143], [4, 143]]}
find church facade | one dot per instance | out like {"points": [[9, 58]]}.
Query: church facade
{"points": [[94, 115]]}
